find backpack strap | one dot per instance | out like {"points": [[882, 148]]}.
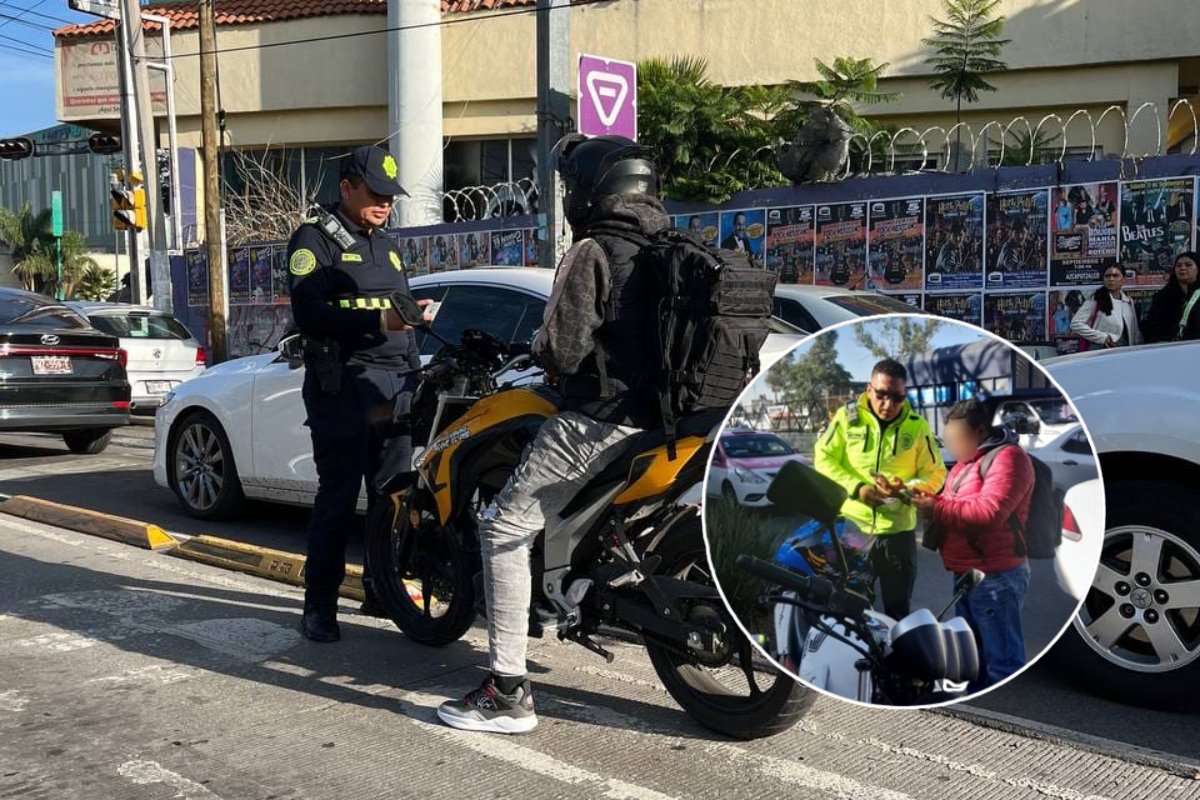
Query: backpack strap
{"points": [[1014, 522], [1187, 312]]}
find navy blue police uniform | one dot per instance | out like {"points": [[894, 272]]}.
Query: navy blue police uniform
{"points": [[354, 393]]}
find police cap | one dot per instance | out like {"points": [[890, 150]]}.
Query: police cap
{"points": [[377, 167]]}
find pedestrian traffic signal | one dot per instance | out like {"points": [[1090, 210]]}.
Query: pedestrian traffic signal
{"points": [[104, 144], [128, 201], [15, 149]]}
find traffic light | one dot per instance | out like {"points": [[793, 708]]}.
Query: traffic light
{"points": [[128, 201], [16, 149], [104, 144]]}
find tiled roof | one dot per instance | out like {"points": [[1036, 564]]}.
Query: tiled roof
{"points": [[242, 12]]}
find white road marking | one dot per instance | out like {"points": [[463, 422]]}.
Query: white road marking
{"points": [[246, 638], [60, 642], [12, 700], [143, 773], [525, 758], [156, 674], [73, 467]]}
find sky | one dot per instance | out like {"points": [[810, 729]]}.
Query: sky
{"points": [[858, 361], [27, 81]]}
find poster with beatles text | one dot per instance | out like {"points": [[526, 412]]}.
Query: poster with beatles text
{"points": [[954, 242], [1156, 225], [841, 245], [896, 245], [790, 236]]}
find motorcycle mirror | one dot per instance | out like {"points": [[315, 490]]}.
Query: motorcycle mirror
{"points": [[801, 489], [969, 580], [407, 309]]}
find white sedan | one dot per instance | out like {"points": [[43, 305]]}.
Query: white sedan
{"points": [[238, 430], [1137, 636], [813, 308], [1069, 457], [162, 351]]}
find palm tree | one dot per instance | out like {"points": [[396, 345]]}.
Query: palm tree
{"points": [[708, 138], [966, 45], [35, 252]]}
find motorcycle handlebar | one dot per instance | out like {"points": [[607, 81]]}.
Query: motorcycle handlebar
{"points": [[812, 590]]}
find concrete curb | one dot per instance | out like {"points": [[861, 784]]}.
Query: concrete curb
{"points": [[1155, 759], [118, 529], [264, 562]]}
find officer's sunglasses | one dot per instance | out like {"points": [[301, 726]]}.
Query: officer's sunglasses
{"points": [[882, 395]]}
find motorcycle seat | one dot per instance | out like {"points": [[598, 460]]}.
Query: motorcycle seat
{"points": [[698, 424]]}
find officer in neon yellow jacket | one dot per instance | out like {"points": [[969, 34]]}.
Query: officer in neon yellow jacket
{"points": [[881, 435]]}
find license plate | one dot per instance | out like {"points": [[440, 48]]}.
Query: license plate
{"points": [[158, 387], [51, 365]]}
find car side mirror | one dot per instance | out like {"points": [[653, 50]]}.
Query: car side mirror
{"points": [[291, 351]]}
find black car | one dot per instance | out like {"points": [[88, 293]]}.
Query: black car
{"points": [[58, 373]]}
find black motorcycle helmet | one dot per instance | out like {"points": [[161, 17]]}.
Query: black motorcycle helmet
{"points": [[600, 166]]}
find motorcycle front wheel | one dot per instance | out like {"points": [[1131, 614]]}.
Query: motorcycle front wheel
{"points": [[746, 697], [423, 575]]}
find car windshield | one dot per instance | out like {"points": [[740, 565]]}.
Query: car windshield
{"points": [[37, 312], [866, 304], [141, 326], [755, 446], [1054, 412]]}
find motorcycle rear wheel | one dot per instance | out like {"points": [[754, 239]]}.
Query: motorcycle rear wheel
{"points": [[703, 693]]}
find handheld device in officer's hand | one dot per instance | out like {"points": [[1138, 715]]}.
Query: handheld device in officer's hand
{"points": [[407, 309]]}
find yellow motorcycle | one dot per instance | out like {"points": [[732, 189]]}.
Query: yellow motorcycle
{"points": [[627, 558]]}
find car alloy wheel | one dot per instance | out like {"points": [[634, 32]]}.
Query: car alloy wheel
{"points": [[200, 466], [1143, 610]]}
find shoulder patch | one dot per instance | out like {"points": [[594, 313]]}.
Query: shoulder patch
{"points": [[302, 262], [351, 257], [397, 262]]}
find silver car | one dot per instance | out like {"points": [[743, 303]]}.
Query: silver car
{"points": [[162, 351]]}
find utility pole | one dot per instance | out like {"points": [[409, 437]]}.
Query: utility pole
{"points": [[213, 237], [148, 138], [554, 121], [414, 53], [137, 243]]}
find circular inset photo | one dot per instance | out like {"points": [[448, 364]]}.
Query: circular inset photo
{"points": [[904, 511]]}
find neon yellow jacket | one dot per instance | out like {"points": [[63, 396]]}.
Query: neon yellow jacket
{"points": [[852, 448]]}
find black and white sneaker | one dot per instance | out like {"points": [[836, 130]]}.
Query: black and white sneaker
{"points": [[488, 709]]}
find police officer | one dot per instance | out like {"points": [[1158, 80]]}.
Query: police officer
{"points": [[342, 270]]}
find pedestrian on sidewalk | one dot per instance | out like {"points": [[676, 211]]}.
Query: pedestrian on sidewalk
{"points": [[1173, 312], [1109, 317], [978, 513]]}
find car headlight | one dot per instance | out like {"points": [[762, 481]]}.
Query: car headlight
{"points": [[168, 397], [748, 475]]}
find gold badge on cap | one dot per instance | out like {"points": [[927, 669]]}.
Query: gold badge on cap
{"points": [[389, 166]]}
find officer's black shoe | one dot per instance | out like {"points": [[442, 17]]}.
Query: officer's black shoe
{"points": [[320, 626]]}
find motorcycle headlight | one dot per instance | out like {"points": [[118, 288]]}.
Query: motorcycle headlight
{"points": [[748, 475]]}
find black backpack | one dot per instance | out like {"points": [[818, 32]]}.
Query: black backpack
{"points": [[1043, 530], [712, 314]]}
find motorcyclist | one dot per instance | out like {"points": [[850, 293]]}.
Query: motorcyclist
{"points": [[592, 347]]}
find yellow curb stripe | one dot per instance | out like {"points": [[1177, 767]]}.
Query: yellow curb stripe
{"points": [[107, 526], [265, 562]]}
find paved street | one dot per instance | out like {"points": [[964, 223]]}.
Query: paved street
{"points": [[185, 681], [136, 675]]}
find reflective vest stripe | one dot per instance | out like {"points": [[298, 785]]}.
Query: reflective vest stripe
{"points": [[375, 303]]}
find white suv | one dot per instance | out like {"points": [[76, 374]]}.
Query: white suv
{"points": [[1137, 637]]}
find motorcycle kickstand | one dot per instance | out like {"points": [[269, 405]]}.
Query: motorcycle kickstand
{"points": [[579, 637]]}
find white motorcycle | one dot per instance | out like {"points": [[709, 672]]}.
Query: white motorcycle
{"points": [[829, 635]]}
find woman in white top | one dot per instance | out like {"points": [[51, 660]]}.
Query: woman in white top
{"points": [[1109, 317]]}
